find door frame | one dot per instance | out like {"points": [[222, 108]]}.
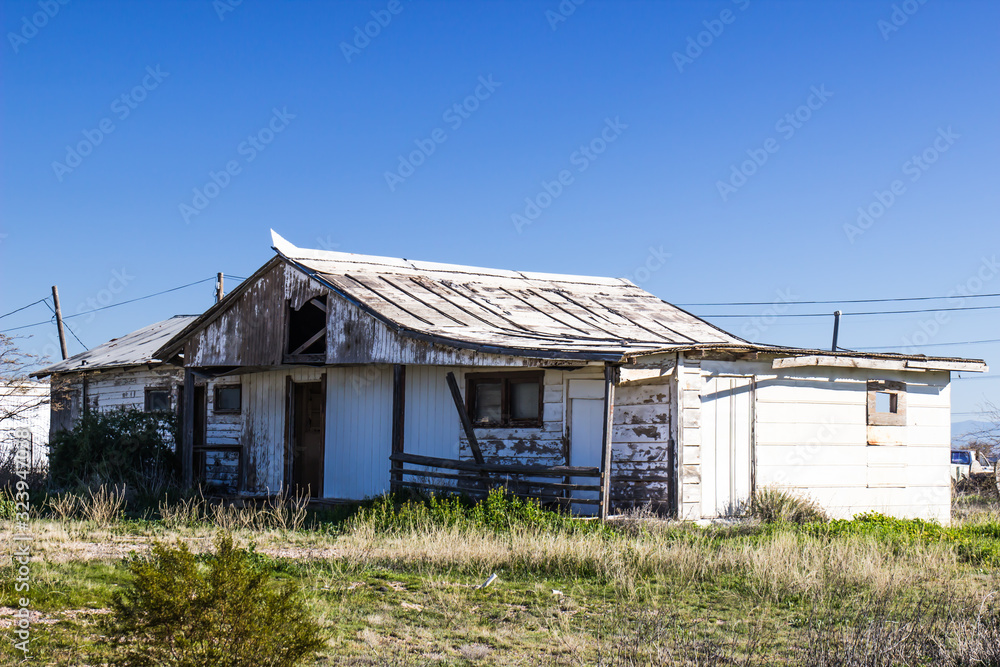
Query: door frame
{"points": [[752, 434], [290, 417], [587, 389]]}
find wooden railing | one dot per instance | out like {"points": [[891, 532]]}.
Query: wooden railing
{"points": [[476, 479]]}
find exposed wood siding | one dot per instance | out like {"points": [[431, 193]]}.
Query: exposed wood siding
{"points": [[225, 428], [641, 442], [689, 387], [540, 446], [109, 390], [251, 332]]}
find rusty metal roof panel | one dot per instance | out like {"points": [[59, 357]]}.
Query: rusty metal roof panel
{"points": [[134, 349], [512, 310]]}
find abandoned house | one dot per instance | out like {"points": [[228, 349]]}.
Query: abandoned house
{"points": [[349, 375], [122, 373]]}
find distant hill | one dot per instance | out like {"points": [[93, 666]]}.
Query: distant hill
{"points": [[960, 429]]}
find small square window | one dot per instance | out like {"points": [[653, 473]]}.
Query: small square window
{"points": [[505, 400], [886, 403], [157, 400], [228, 398]]}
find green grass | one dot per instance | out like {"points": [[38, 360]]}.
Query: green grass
{"points": [[397, 584]]}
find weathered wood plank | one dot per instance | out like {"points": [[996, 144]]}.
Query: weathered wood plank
{"points": [[546, 471]]}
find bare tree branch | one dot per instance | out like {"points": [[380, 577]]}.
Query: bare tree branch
{"points": [[19, 395]]}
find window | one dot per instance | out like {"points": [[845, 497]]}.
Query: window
{"points": [[886, 403], [228, 398], [157, 399], [505, 400], [307, 328], [961, 458]]}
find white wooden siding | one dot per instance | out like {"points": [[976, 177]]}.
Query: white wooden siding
{"points": [[358, 431], [430, 423], [35, 420], [811, 438]]}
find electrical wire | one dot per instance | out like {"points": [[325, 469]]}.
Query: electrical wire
{"points": [[964, 342], [67, 327], [23, 308], [148, 296], [113, 305], [908, 298], [870, 312]]}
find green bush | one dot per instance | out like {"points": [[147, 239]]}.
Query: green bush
{"points": [[226, 611], [773, 506], [974, 543], [499, 512], [123, 446]]}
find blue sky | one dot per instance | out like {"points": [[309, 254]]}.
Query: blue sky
{"points": [[711, 151]]}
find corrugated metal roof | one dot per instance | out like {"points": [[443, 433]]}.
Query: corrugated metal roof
{"points": [[510, 310], [135, 349]]}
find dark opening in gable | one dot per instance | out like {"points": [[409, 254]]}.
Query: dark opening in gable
{"points": [[307, 328]]}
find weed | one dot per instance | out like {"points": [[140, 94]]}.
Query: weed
{"points": [[771, 505], [228, 612]]}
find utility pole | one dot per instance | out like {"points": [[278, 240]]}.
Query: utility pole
{"points": [[836, 329], [218, 287], [59, 322]]}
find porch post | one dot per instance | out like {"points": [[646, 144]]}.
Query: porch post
{"points": [[610, 373], [398, 415], [187, 438]]}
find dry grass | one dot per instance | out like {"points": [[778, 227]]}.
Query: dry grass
{"points": [[651, 592], [104, 506]]}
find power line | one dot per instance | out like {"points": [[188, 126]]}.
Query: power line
{"points": [[22, 308], [67, 327], [772, 303], [148, 296], [964, 342], [870, 312], [28, 326], [113, 305]]}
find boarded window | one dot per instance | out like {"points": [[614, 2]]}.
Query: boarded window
{"points": [[157, 399], [228, 398], [505, 399], [886, 403]]}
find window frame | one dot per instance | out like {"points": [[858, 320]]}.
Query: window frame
{"points": [[897, 393], [506, 378], [147, 398], [215, 399]]}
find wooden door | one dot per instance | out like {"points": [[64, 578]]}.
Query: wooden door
{"points": [[308, 440], [586, 435]]}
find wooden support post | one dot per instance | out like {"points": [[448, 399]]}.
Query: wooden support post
{"points": [[187, 439], [59, 322], [609, 410], [398, 416], [219, 292], [470, 432]]}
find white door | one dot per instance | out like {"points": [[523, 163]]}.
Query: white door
{"points": [[726, 445], [586, 432]]}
